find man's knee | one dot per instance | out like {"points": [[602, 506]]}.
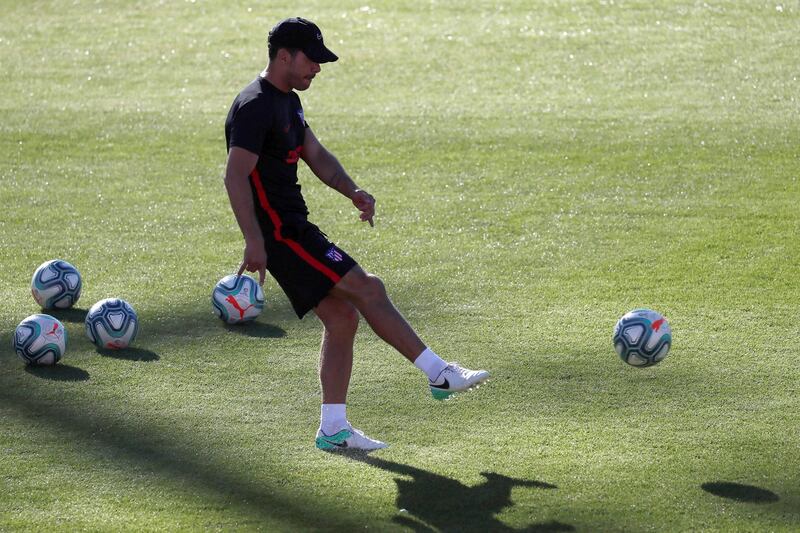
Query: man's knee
{"points": [[338, 315], [363, 285], [374, 287], [347, 318]]}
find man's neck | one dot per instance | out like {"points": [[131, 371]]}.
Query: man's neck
{"points": [[275, 80]]}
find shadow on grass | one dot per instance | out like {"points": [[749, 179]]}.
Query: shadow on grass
{"points": [[431, 502], [196, 321], [129, 354], [257, 329], [740, 492], [73, 314], [259, 503], [58, 372]]}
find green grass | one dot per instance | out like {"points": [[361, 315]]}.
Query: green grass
{"points": [[540, 169]]}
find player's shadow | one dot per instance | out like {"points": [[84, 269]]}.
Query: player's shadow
{"points": [[129, 354], [73, 314], [740, 492], [431, 502], [58, 372], [257, 329]]}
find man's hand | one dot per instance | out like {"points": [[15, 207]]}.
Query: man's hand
{"points": [[255, 259], [365, 203]]}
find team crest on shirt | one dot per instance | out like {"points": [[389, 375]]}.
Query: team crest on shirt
{"points": [[333, 254]]}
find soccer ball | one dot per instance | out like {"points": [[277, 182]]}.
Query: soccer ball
{"points": [[40, 340], [56, 284], [112, 323], [237, 299], [642, 337]]}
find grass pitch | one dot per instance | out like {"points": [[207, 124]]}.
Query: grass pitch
{"points": [[540, 169]]}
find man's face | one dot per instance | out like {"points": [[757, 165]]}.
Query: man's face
{"points": [[301, 71]]}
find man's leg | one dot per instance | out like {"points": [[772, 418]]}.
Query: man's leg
{"points": [[368, 294], [340, 321]]}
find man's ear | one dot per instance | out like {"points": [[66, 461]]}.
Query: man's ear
{"points": [[284, 56]]}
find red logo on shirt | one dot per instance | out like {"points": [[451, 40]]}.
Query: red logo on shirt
{"points": [[294, 155]]}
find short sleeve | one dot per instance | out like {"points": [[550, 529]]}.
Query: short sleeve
{"points": [[249, 127]]}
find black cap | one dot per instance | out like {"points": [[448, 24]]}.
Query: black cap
{"points": [[302, 34]]}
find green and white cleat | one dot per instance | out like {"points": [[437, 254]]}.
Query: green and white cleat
{"points": [[455, 378], [348, 438]]}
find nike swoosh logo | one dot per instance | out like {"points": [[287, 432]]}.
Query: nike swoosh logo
{"points": [[337, 444], [445, 385]]}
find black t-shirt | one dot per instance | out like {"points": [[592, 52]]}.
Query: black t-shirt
{"points": [[269, 122]]}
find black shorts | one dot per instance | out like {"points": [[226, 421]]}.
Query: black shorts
{"points": [[304, 263]]}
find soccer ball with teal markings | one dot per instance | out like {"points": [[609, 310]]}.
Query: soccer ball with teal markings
{"points": [[40, 340], [112, 323], [56, 284], [642, 337], [237, 299]]}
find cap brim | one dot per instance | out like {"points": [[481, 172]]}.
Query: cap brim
{"points": [[318, 53]]}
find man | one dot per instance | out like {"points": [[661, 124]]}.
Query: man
{"points": [[267, 135]]}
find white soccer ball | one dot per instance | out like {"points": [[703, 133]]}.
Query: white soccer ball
{"points": [[40, 340], [56, 284], [112, 323], [642, 337], [237, 299]]}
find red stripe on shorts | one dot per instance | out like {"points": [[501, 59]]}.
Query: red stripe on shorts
{"points": [[294, 245]]}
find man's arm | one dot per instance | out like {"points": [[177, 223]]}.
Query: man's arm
{"points": [[240, 163], [328, 169]]}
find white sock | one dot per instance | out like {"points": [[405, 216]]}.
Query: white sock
{"points": [[430, 363], [333, 418]]}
